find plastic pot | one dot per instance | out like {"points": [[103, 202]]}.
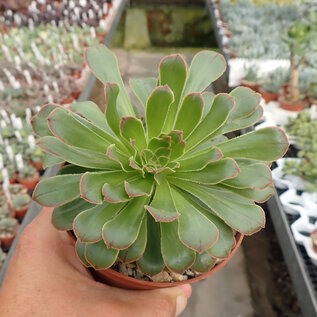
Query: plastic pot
{"points": [[30, 182], [292, 106], [116, 279], [269, 96]]}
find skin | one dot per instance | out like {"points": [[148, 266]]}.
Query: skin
{"points": [[45, 278]]}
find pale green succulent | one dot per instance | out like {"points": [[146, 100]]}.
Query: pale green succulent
{"points": [[167, 191]]}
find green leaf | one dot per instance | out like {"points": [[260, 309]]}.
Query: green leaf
{"points": [[246, 102], [177, 144], [104, 65], [190, 113], [64, 126], [242, 123], [112, 116], [132, 130], [80, 251], [162, 207], [151, 263], [57, 190], [177, 257], [156, 110], [216, 117], [173, 72], [195, 230], [76, 156], [90, 111], [99, 256], [251, 175], [204, 262], [208, 100], [142, 88], [115, 193], [198, 160], [136, 250], [206, 67], [39, 121], [51, 160], [258, 195], [267, 144], [88, 224], [239, 213], [115, 155], [63, 216], [213, 173], [226, 241], [123, 230], [139, 187]]}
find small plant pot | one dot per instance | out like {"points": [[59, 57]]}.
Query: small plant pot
{"points": [[249, 84], [76, 94], [116, 279], [20, 213], [67, 100], [30, 182], [6, 241], [37, 165], [292, 106], [13, 179], [268, 96]]}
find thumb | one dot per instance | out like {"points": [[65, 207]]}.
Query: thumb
{"points": [[167, 302]]}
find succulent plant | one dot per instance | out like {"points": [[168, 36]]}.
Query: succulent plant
{"points": [[17, 189], [20, 201], [8, 226], [4, 211], [166, 191], [251, 74], [28, 171]]}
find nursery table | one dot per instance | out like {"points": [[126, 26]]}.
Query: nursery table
{"points": [[85, 95]]}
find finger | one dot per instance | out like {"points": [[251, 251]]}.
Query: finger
{"points": [[168, 302]]}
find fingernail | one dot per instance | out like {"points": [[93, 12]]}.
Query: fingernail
{"points": [[187, 290], [181, 303]]}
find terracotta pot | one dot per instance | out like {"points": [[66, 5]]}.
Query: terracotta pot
{"points": [[37, 165], [7, 241], [20, 213], [292, 106], [67, 100], [250, 84], [114, 278], [31, 182], [14, 178], [76, 94], [268, 96]]}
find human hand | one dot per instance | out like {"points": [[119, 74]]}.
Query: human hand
{"points": [[45, 278]]}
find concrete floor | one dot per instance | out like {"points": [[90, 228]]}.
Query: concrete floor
{"points": [[227, 293]]}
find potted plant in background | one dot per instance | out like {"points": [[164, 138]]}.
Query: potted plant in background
{"points": [[166, 199], [19, 204], [28, 176], [8, 230], [272, 85], [300, 36], [251, 78]]}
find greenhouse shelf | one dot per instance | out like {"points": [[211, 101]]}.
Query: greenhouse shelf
{"points": [[85, 95], [302, 271]]}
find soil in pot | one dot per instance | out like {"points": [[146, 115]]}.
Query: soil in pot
{"points": [[292, 106]]}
